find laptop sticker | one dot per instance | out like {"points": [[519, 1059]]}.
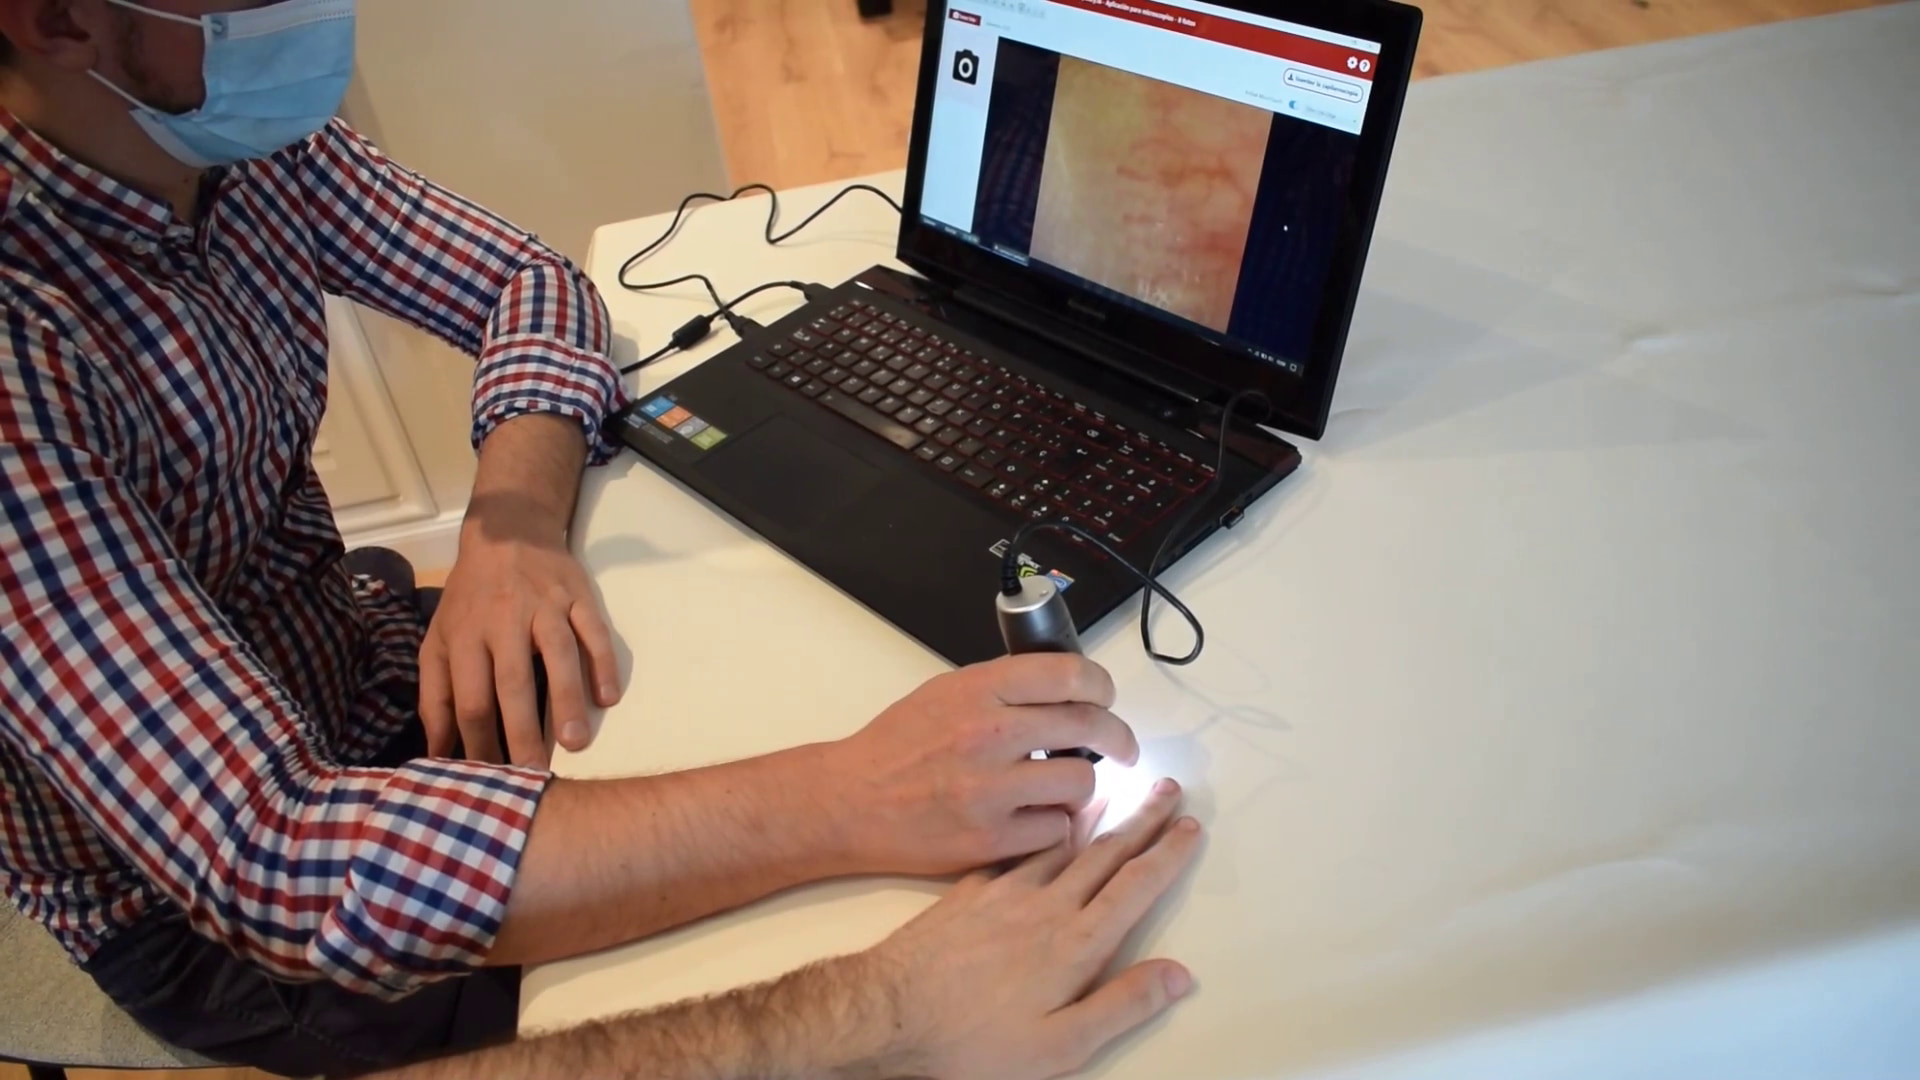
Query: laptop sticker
{"points": [[691, 428], [674, 417], [709, 438], [658, 407]]}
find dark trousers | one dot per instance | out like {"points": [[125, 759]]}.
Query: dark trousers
{"points": [[197, 995]]}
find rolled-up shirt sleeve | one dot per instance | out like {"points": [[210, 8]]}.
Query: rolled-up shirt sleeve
{"points": [[122, 682], [398, 243]]}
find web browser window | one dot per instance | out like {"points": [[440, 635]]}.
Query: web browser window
{"points": [[1185, 159]]}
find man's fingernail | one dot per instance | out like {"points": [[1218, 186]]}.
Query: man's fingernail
{"points": [[1165, 786], [576, 732], [1187, 824], [1178, 982], [609, 693]]}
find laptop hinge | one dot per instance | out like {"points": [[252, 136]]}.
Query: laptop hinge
{"points": [[1080, 341]]}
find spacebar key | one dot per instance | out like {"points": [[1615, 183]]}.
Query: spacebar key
{"points": [[899, 435]]}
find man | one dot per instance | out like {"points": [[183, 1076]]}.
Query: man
{"points": [[222, 758]]}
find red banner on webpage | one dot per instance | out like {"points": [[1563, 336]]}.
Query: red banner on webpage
{"points": [[1357, 63]]}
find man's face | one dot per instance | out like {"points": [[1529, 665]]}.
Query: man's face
{"points": [[159, 60]]}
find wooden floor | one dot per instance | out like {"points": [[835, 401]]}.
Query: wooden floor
{"points": [[805, 91]]}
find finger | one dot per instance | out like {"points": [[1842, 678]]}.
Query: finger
{"points": [[566, 682], [1140, 884], [1069, 727], [436, 697], [1104, 857], [474, 706], [1087, 819], [1132, 998], [1048, 679], [1042, 867], [1064, 782], [596, 641], [512, 652], [1034, 829]]}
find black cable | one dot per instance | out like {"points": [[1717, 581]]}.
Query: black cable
{"points": [[695, 330], [1150, 577], [773, 219]]}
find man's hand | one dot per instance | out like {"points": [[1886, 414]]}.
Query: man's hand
{"points": [[996, 981], [516, 591], [943, 781], [508, 598]]}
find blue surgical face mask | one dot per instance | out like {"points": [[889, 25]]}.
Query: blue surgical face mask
{"points": [[274, 75]]}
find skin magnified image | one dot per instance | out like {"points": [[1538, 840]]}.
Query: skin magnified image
{"points": [[1148, 189]]}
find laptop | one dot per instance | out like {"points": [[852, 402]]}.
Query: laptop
{"points": [[1119, 215]]}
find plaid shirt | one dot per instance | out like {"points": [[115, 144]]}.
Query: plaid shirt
{"points": [[189, 681]]}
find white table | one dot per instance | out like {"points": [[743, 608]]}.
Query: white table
{"points": [[1561, 716]]}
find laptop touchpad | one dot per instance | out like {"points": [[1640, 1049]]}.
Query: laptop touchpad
{"points": [[790, 474]]}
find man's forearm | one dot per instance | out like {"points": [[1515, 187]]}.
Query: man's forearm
{"points": [[831, 1021], [528, 479], [608, 862]]}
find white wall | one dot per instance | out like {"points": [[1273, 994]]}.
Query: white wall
{"points": [[559, 114]]}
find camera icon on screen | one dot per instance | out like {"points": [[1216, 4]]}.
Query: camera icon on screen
{"points": [[966, 67]]}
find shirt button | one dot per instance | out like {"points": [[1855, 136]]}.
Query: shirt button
{"points": [[219, 25]]}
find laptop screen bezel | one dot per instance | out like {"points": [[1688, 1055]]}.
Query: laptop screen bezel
{"points": [[1211, 371]]}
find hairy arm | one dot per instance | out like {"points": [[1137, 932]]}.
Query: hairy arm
{"points": [[831, 1021]]}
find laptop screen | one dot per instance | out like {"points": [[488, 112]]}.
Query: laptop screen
{"points": [[1189, 161]]}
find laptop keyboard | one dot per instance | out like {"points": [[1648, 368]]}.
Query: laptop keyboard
{"points": [[998, 434]]}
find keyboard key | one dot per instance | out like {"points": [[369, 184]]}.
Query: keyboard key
{"points": [[759, 361], [872, 421], [1043, 486], [909, 415], [854, 384], [927, 425], [871, 395], [862, 345], [824, 325], [893, 337], [1020, 501], [989, 457], [889, 404], [889, 318], [843, 335], [918, 372], [999, 489], [952, 391], [831, 350], [949, 461], [916, 331], [929, 354], [841, 313], [946, 363], [1012, 471], [974, 476], [835, 375], [865, 369], [805, 337], [778, 371], [965, 374], [1075, 460], [780, 348], [976, 400], [940, 406], [970, 447], [928, 452], [882, 353], [920, 397], [814, 388], [899, 363], [1000, 436], [901, 387], [796, 379], [948, 435], [1043, 511], [981, 426]]}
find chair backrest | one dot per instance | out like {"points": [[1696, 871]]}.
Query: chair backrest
{"points": [[51, 1013]]}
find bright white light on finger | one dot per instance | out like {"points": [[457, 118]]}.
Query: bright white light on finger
{"points": [[1124, 790]]}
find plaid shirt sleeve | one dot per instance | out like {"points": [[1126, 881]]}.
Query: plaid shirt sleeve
{"points": [[123, 682], [405, 247]]}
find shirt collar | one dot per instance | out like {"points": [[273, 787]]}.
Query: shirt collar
{"points": [[88, 198]]}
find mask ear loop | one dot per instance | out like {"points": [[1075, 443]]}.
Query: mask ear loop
{"points": [[167, 15]]}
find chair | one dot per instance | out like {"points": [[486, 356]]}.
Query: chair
{"points": [[53, 1017]]}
